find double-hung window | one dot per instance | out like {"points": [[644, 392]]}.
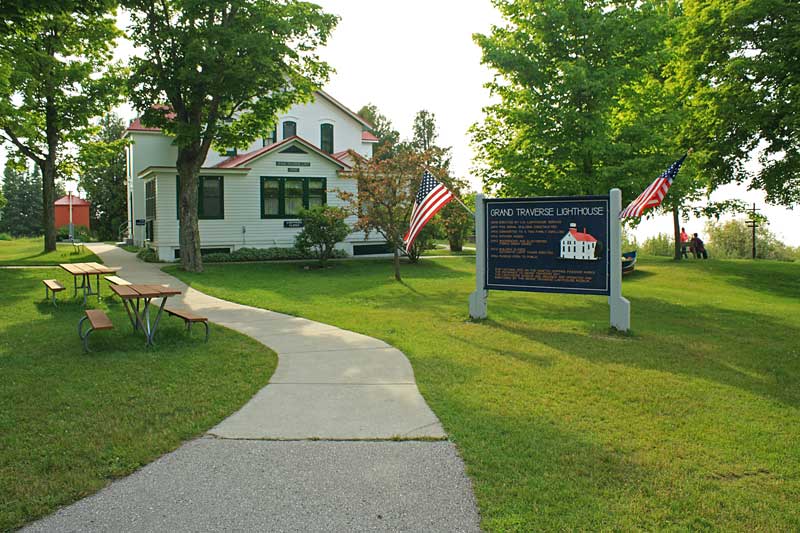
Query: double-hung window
{"points": [[285, 197], [210, 197], [289, 129], [326, 138], [149, 208]]}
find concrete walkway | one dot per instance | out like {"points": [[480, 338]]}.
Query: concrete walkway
{"points": [[311, 451]]}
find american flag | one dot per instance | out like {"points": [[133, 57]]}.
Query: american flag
{"points": [[655, 193], [431, 197]]}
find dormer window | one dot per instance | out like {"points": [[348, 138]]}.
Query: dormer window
{"points": [[230, 152], [289, 129], [326, 138]]}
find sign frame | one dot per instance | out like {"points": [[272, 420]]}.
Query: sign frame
{"points": [[572, 200]]}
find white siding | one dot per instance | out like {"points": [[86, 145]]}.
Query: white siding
{"points": [[242, 197], [146, 149]]}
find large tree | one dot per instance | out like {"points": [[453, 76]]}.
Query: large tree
{"points": [[103, 176], [560, 67], [217, 73], [55, 76], [741, 64]]}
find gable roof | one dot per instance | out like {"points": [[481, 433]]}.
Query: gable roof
{"points": [[240, 159], [76, 200], [136, 124], [368, 137], [581, 237]]}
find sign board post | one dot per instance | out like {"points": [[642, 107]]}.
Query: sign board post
{"points": [[550, 244], [620, 307], [477, 300]]}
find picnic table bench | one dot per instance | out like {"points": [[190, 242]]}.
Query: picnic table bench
{"points": [[54, 286], [140, 315], [85, 271], [189, 318], [116, 280], [98, 320]]}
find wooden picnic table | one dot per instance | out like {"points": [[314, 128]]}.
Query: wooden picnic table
{"points": [[85, 271], [140, 315]]}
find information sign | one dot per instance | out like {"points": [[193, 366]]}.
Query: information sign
{"points": [[550, 244]]}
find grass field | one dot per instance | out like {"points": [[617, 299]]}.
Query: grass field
{"points": [[71, 422], [689, 423], [29, 252]]}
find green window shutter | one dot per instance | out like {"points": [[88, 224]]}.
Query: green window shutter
{"points": [[211, 198]]}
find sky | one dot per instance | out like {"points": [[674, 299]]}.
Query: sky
{"points": [[413, 55]]}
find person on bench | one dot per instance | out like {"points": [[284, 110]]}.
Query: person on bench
{"points": [[699, 248]]}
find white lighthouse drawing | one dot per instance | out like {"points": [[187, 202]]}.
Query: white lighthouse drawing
{"points": [[577, 245]]}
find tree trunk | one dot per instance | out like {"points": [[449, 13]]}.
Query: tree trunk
{"points": [[397, 265], [49, 174], [456, 243], [676, 222], [188, 165]]}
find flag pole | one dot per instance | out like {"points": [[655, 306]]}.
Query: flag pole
{"points": [[472, 214]]}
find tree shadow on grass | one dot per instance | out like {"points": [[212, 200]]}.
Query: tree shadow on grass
{"points": [[731, 347]]}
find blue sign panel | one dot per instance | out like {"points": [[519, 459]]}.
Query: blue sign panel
{"points": [[549, 244]]}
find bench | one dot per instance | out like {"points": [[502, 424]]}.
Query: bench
{"points": [[52, 285], [116, 280], [77, 246], [188, 318], [97, 320]]}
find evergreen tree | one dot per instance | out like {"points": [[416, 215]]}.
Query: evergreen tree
{"points": [[102, 176], [22, 213], [388, 137]]}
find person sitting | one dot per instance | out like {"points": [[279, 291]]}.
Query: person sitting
{"points": [[699, 248], [684, 244]]}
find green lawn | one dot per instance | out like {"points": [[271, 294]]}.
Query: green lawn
{"points": [[71, 422], [690, 423], [29, 252]]}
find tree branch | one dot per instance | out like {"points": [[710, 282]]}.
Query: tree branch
{"points": [[27, 151]]}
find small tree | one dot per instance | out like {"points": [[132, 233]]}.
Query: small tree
{"points": [[426, 240], [323, 228], [386, 188]]}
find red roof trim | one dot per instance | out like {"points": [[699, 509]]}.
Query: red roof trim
{"points": [[237, 160], [76, 200], [583, 237], [344, 108], [136, 125], [368, 137]]}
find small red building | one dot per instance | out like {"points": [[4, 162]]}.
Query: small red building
{"points": [[80, 211]]}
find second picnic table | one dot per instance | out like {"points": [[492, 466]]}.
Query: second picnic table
{"points": [[85, 271], [140, 315]]}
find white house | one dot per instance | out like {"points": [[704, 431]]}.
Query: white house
{"points": [[250, 198], [578, 245]]}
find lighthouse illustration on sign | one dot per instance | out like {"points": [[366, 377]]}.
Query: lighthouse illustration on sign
{"points": [[577, 245]]}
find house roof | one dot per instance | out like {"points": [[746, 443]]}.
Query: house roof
{"points": [[238, 160], [136, 124], [582, 237], [76, 200], [156, 169], [368, 137]]}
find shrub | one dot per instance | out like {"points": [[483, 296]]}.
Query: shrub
{"points": [[5, 237], [323, 228], [265, 254], [148, 255]]}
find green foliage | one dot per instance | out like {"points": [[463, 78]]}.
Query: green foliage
{"points": [[103, 176], [148, 255], [573, 80], [740, 64], [217, 73], [734, 240], [79, 233], [243, 255], [5, 236], [661, 245], [58, 75], [382, 127], [323, 228], [426, 240], [22, 213]]}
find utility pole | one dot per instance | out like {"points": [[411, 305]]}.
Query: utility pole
{"points": [[753, 223]]}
